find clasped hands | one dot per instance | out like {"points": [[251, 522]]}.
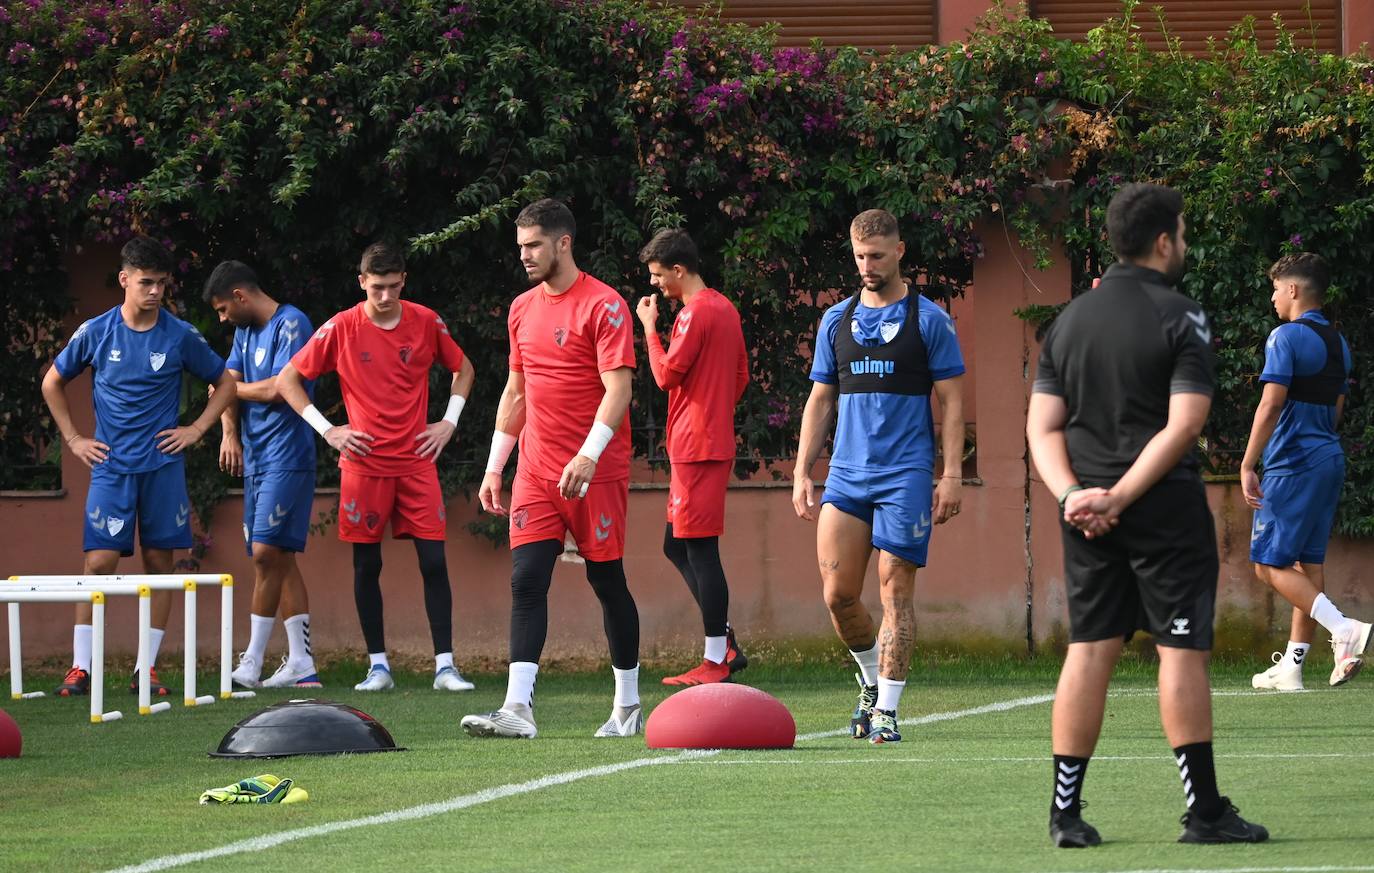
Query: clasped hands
{"points": [[1094, 511]]}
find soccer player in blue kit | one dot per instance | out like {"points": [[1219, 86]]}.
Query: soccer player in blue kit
{"points": [[137, 353], [274, 450], [1306, 373], [878, 356]]}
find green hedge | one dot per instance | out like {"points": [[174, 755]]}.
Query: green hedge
{"points": [[290, 135]]}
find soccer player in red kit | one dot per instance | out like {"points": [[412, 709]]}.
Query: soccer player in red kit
{"points": [[566, 399], [382, 350], [704, 372]]}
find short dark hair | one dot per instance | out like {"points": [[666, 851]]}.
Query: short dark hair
{"points": [[1138, 214], [551, 216], [671, 248], [1308, 268], [228, 276], [382, 258], [145, 253], [873, 223]]}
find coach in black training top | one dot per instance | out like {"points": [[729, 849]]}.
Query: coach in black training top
{"points": [[1121, 394]]}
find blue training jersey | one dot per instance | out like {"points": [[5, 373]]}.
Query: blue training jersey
{"points": [[1306, 432], [882, 433], [137, 382], [275, 438]]}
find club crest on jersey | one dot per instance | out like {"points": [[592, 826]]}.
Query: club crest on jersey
{"points": [[404, 352], [560, 336], [888, 329], [259, 356], [157, 359], [519, 518]]}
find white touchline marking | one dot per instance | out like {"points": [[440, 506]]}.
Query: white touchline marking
{"points": [[1027, 759], [487, 795], [424, 810], [1001, 706], [1322, 869]]}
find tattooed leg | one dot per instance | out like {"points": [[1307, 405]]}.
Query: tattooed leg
{"points": [[843, 544], [897, 638]]}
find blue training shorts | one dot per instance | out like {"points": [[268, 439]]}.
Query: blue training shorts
{"points": [[277, 507], [896, 505], [155, 501], [1295, 516]]}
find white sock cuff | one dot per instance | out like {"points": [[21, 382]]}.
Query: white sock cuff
{"points": [[867, 659], [442, 660], [890, 693], [520, 684], [626, 685]]}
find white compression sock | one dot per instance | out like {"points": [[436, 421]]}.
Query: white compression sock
{"points": [[1296, 652], [520, 685], [154, 643], [1325, 613], [889, 693], [715, 650], [259, 633], [868, 664], [298, 640], [378, 659], [81, 647], [626, 686]]}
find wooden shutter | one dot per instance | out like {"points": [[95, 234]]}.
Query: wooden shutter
{"points": [[1193, 21], [906, 24]]}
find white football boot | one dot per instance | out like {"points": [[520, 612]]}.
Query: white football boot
{"points": [[248, 673], [449, 679], [512, 720], [1283, 676], [1349, 651], [625, 721], [290, 675], [378, 679]]}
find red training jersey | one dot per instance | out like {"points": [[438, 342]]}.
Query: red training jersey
{"points": [[563, 343], [384, 375], [704, 372]]}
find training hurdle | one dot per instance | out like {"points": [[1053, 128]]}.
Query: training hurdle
{"points": [[128, 585], [97, 600]]}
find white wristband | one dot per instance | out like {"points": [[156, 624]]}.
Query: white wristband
{"points": [[502, 444], [456, 402], [597, 440], [316, 419]]}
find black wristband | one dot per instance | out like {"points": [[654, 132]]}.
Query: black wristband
{"points": [[1063, 498]]}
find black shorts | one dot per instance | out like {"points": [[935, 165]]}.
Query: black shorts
{"points": [[1157, 571]]}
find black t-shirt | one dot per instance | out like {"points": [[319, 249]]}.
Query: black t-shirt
{"points": [[1116, 354]]}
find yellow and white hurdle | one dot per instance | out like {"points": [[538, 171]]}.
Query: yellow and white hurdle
{"points": [[133, 585], [15, 596]]}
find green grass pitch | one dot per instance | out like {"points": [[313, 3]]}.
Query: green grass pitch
{"points": [[965, 792]]}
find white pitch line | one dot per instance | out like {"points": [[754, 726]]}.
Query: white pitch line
{"points": [[425, 810], [1027, 759], [487, 795], [1363, 868], [934, 717]]}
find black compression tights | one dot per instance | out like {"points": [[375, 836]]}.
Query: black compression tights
{"points": [[531, 575], [698, 560], [367, 593]]}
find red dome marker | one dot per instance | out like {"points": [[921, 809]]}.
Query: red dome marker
{"points": [[11, 741], [720, 716]]}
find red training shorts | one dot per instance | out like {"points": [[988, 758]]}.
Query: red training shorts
{"points": [[413, 504], [696, 498], [597, 521]]}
